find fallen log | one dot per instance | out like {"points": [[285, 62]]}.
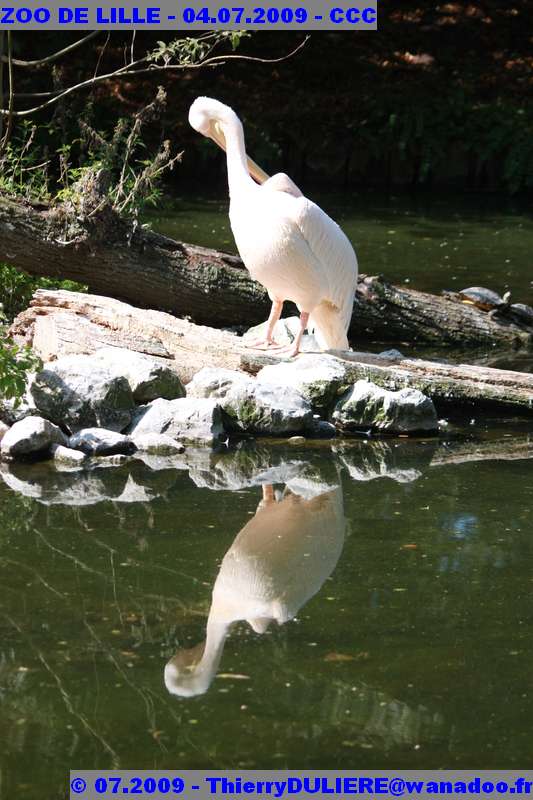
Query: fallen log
{"points": [[60, 323], [152, 271]]}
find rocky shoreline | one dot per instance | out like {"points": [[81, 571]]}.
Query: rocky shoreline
{"points": [[116, 402]]}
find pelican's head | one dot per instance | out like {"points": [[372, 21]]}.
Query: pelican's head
{"points": [[208, 117], [213, 119]]}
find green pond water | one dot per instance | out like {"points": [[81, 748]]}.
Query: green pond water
{"points": [[358, 604]]}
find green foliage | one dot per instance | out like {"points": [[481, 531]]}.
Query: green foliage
{"points": [[24, 166], [189, 51], [15, 363], [17, 288], [129, 175], [422, 130], [37, 168], [51, 160]]}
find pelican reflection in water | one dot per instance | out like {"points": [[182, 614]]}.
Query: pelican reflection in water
{"points": [[277, 562]]}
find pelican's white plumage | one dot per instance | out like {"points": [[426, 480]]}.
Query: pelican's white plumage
{"points": [[286, 241]]}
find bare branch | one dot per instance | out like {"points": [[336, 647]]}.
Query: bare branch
{"points": [[137, 68], [41, 62], [101, 55], [36, 94], [83, 85]]}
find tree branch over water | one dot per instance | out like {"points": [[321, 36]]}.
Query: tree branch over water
{"points": [[191, 54]]}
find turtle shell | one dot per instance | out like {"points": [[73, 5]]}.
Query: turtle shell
{"points": [[481, 297], [522, 312]]}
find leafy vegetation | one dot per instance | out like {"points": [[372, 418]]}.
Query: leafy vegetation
{"points": [[15, 363], [74, 160], [17, 288]]}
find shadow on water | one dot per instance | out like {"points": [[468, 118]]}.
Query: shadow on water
{"points": [[360, 603]]}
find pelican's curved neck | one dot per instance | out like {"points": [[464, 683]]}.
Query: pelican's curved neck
{"points": [[215, 639], [238, 175]]}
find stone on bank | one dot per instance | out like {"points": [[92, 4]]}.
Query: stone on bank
{"points": [[366, 405], [318, 377], [267, 410], [148, 377], [79, 392], [31, 436], [251, 406], [216, 382], [101, 442], [187, 419], [66, 456], [157, 444]]}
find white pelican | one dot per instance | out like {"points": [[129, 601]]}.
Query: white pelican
{"points": [[277, 562], [286, 241]]}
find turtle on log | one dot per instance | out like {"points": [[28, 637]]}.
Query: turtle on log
{"points": [[490, 301], [483, 298]]}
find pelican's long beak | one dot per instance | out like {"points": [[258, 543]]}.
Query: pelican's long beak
{"points": [[254, 169]]}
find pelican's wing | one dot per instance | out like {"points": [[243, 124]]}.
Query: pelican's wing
{"points": [[332, 250], [282, 183]]}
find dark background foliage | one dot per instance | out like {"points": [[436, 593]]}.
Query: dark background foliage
{"points": [[439, 96]]}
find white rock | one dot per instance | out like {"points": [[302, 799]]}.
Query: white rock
{"points": [[67, 456], [216, 382], [189, 419], [157, 444], [317, 377], [392, 353], [31, 436], [261, 408], [148, 377], [80, 392], [366, 405], [101, 442]]}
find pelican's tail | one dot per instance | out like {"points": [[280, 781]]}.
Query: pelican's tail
{"points": [[329, 324]]}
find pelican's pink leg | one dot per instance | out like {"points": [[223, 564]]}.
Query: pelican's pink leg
{"points": [[293, 349], [268, 340]]}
